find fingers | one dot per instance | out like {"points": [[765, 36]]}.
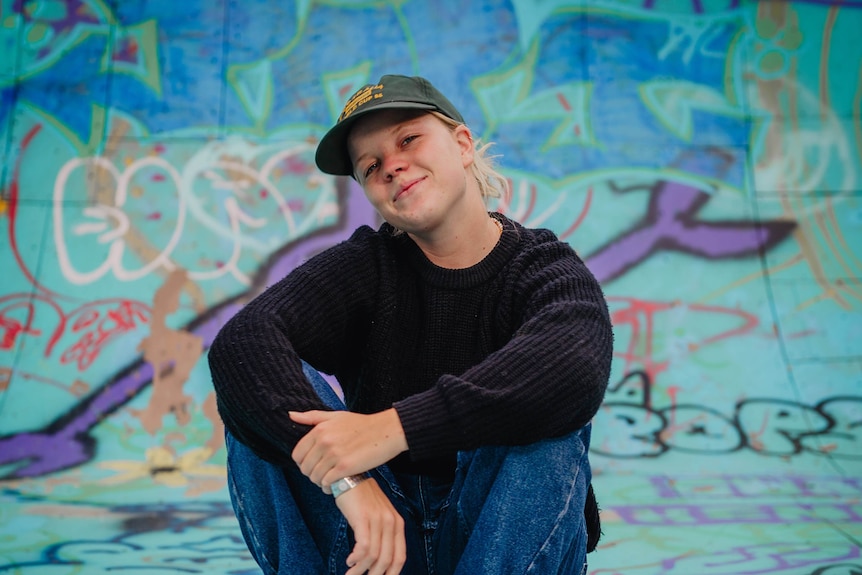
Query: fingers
{"points": [[343, 443], [392, 546], [366, 553], [308, 458], [309, 444], [315, 465], [399, 550], [327, 452], [379, 550], [359, 560], [310, 417], [313, 459], [378, 529], [393, 550]]}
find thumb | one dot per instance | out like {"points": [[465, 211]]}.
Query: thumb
{"points": [[310, 417]]}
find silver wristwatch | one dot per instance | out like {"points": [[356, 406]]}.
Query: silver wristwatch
{"points": [[346, 484]]}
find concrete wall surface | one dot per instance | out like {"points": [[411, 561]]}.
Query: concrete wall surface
{"points": [[704, 157]]}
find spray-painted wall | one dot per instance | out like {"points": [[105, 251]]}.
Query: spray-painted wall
{"points": [[703, 156]]}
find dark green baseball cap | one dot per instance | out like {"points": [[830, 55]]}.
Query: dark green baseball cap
{"points": [[391, 92]]}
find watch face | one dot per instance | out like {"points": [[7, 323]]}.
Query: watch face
{"points": [[346, 484]]}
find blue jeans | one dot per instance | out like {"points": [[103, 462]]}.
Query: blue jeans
{"points": [[510, 510]]}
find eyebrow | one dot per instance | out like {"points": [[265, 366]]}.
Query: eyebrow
{"points": [[404, 123]]}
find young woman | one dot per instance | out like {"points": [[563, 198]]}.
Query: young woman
{"points": [[472, 352]]}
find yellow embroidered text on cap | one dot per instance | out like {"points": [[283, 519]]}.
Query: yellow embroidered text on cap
{"points": [[360, 98]]}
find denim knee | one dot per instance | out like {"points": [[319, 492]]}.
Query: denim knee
{"points": [[518, 509], [272, 503]]}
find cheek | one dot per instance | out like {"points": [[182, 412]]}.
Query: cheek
{"points": [[375, 196]]}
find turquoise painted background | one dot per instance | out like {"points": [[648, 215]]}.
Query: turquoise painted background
{"points": [[703, 156]]}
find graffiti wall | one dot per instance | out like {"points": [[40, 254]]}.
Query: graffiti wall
{"points": [[704, 157]]}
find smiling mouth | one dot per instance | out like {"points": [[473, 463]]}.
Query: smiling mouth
{"points": [[406, 188]]}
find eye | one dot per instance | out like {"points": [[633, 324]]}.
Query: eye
{"points": [[370, 169], [408, 139]]}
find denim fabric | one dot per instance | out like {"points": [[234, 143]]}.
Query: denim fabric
{"points": [[510, 510]]}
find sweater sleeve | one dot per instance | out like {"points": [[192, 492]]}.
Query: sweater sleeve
{"points": [[255, 358], [547, 380]]}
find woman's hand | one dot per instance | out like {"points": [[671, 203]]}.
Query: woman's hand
{"points": [[378, 529], [343, 443]]}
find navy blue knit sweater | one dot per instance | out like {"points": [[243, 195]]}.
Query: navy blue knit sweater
{"points": [[512, 350]]}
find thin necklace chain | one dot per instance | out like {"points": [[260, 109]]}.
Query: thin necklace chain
{"points": [[499, 224]]}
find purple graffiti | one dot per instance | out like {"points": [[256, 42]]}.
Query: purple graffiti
{"points": [[688, 488], [736, 514], [66, 442], [670, 224], [696, 5], [74, 12], [764, 558]]}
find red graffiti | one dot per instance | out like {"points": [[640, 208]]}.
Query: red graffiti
{"points": [[640, 316], [12, 327], [587, 203], [99, 328], [95, 326], [17, 316]]}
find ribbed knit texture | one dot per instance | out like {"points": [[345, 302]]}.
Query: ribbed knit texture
{"points": [[510, 351]]}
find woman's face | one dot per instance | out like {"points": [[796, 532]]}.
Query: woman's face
{"points": [[414, 168]]}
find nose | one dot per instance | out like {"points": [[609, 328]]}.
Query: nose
{"points": [[392, 164]]}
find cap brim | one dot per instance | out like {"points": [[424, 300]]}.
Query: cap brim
{"points": [[332, 156]]}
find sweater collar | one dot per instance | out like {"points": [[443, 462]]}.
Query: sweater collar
{"points": [[463, 278]]}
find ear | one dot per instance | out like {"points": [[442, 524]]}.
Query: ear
{"points": [[464, 139]]}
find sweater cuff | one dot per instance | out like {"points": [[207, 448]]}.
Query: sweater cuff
{"points": [[427, 428]]}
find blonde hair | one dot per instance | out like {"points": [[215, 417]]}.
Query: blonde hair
{"points": [[492, 184]]}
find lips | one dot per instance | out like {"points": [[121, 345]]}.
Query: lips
{"points": [[406, 188]]}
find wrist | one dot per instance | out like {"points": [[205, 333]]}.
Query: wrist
{"points": [[395, 431], [345, 484]]}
